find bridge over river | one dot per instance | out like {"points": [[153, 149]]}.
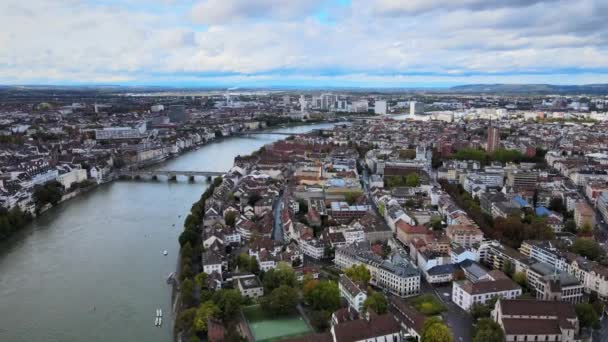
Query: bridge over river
{"points": [[169, 174]]}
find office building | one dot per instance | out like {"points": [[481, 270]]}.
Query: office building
{"points": [[380, 107]]}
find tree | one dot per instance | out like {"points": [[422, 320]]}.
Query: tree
{"points": [[587, 315], [203, 313], [376, 302], [358, 273], [435, 331], [281, 301], [570, 226], [188, 236], [230, 218], [229, 302], [412, 180], [587, 248], [325, 295], [520, 278], [320, 319], [508, 268], [201, 279], [557, 204], [185, 319], [187, 290], [351, 197], [488, 331], [187, 251], [49, 193], [283, 274]]}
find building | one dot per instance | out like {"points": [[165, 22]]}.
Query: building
{"points": [[370, 328], [341, 211], [465, 293], [212, 262], [397, 275], [493, 142], [120, 133], [602, 205], [550, 284], [353, 293], [522, 180], [531, 320], [466, 236], [249, 286], [416, 108], [313, 248], [177, 113], [584, 215], [380, 107]]}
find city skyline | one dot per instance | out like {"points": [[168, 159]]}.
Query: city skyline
{"points": [[339, 43]]}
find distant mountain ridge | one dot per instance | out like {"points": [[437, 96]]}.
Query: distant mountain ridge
{"points": [[532, 88]]}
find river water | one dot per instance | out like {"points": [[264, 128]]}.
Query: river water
{"points": [[92, 269]]}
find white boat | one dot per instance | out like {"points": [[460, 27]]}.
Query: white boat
{"points": [[157, 312], [165, 252], [160, 321], [157, 321], [160, 313]]}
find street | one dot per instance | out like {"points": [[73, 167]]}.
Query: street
{"points": [[458, 320]]}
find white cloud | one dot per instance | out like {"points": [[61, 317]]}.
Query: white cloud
{"points": [[83, 41]]}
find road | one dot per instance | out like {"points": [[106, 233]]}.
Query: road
{"points": [[277, 229], [459, 321]]}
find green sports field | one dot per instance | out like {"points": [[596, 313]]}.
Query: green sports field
{"points": [[267, 329]]}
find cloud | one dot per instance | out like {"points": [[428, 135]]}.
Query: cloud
{"points": [[224, 11], [275, 41]]}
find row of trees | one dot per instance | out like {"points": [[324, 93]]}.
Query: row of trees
{"points": [[511, 230], [501, 155], [412, 180], [49, 193], [198, 303], [12, 221]]}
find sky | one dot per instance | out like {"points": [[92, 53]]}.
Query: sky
{"points": [[303, 43]]}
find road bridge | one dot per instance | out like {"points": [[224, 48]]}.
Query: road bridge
{"points": [[170, 174]]}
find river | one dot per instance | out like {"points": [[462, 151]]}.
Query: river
{"points": [[92, 269]]}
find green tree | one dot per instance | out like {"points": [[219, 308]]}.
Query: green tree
{"points": [[187, 291], [488, 331], [435, 331], [283, 274], [587, 315], [185, 319], [570, 226], [229, 302], [587, 248], [230, 218], [325, 295], [376, 301], [281, 301], [200, 280], [508, 268], [520, 278], [320, 319], [358, 273], [412, 180], [188, 236], [203, 313]]}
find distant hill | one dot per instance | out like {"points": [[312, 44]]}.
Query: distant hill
{"points": [[531, 89]]}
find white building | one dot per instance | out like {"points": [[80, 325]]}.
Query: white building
{"points": [[354, 295], [313, 248], [396, 275], [380, 107], [466, 293], [416, 108]]}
